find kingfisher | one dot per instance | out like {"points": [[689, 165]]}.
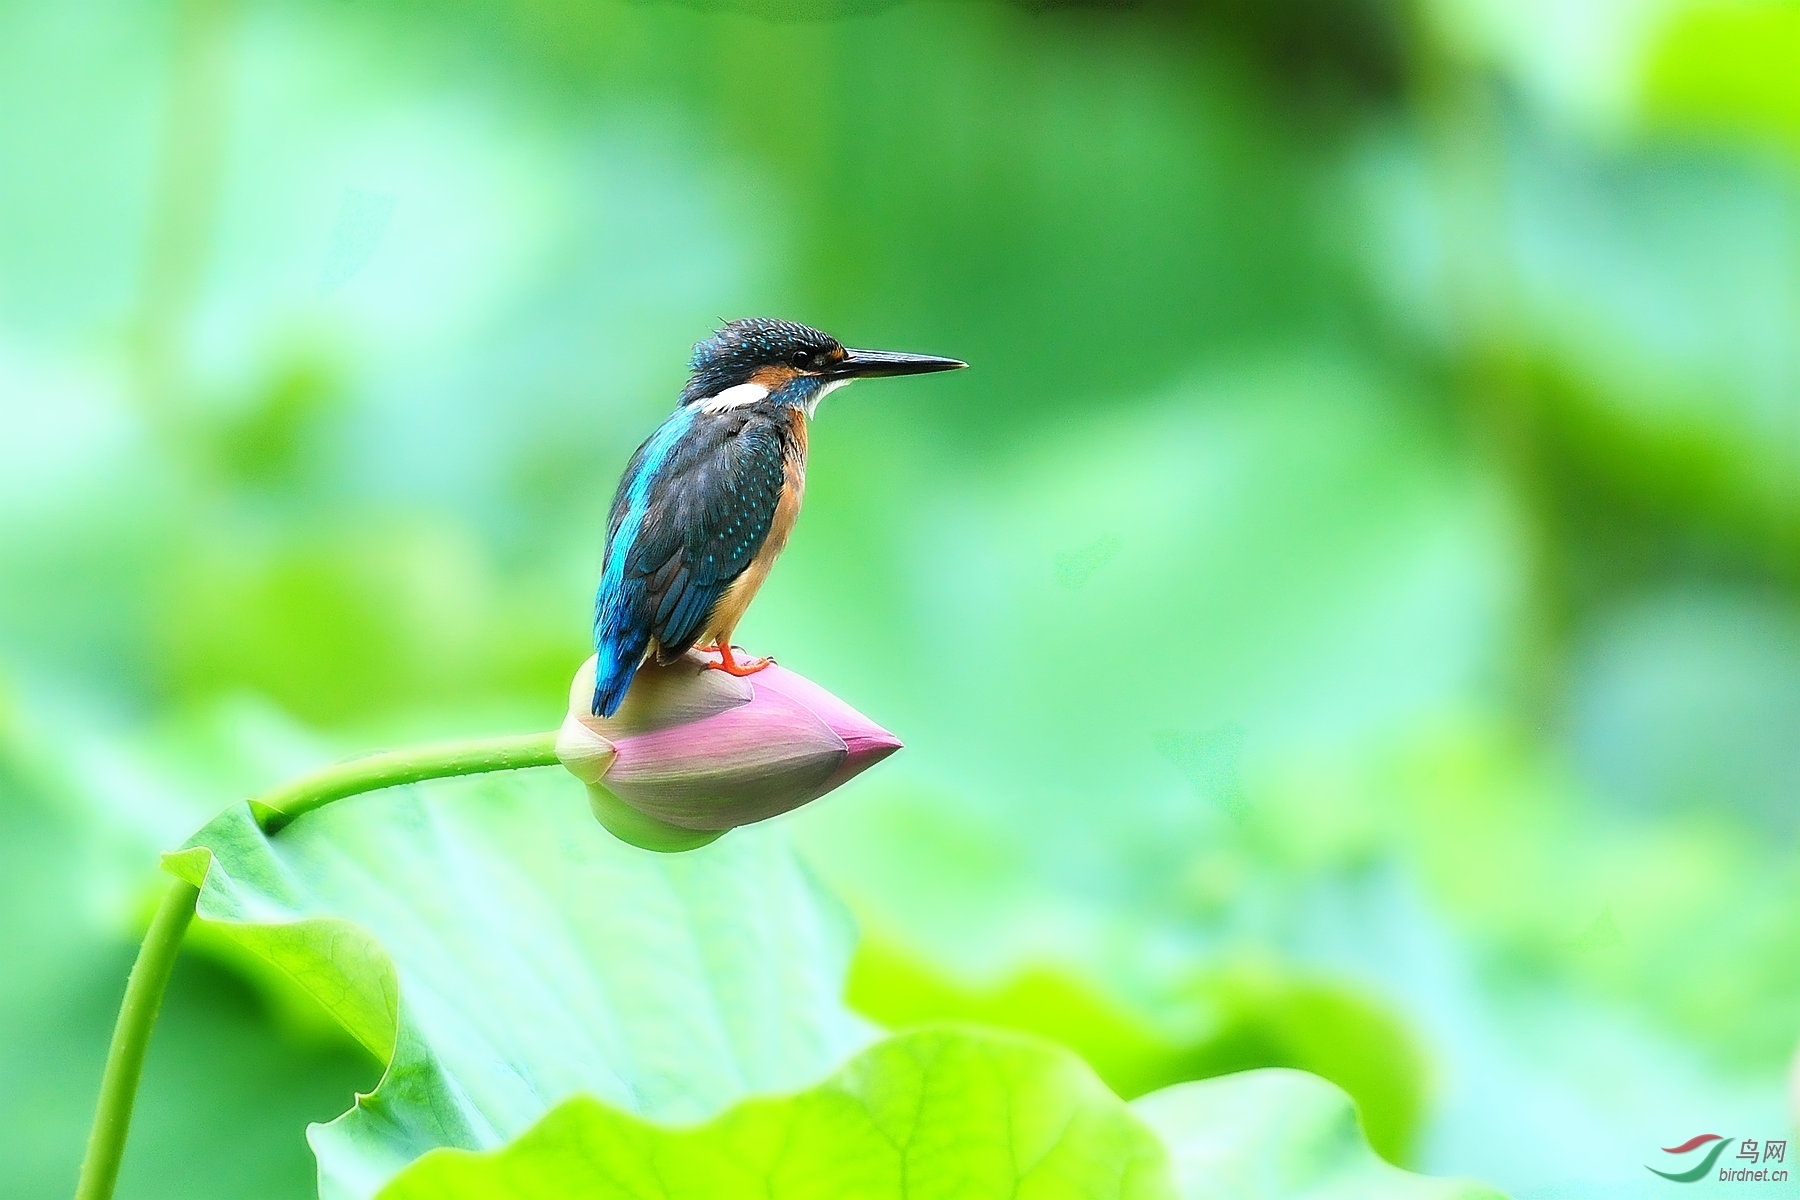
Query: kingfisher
{"points": [[707, 502]]}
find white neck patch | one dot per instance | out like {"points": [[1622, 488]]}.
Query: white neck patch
{"points": [[812, 406], [734, 397]]}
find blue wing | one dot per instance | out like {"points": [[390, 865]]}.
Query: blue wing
{"points": [[694, 508]]}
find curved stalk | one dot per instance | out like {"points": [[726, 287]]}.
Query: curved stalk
{"points": [[131, 1038], [392, 768], [156, 958]]}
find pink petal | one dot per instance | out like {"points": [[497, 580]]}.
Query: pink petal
{"points": [[866, 742], [660, 697], [703, 750], [735, 767]]}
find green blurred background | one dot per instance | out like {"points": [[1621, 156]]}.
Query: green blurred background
{"points": [[1349, 617]]}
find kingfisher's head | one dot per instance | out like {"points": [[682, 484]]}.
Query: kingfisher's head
{"points": [[758, 358]]}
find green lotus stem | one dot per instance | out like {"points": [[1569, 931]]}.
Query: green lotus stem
{"points": [[131, 1038], [375, 771], [156, 958]]}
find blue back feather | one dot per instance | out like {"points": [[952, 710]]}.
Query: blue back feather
{"points": [[693, 511], [620, 639]]}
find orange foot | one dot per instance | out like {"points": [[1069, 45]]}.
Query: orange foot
{"points": [[732, 666]]}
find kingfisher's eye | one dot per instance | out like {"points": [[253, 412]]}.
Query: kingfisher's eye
{"points": [[801, 358]]}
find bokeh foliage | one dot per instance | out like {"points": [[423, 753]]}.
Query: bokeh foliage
{"points": [[1346, 619]]}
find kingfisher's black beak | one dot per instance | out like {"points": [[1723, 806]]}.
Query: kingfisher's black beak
{"points": [[867, 364]]}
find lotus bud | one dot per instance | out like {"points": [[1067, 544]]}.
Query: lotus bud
{"points": [[693, 752]]}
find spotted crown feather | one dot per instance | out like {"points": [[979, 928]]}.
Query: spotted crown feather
{"points": [[739, 347]]}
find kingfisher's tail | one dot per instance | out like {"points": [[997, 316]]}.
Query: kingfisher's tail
{"points": [[617, 661]]}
